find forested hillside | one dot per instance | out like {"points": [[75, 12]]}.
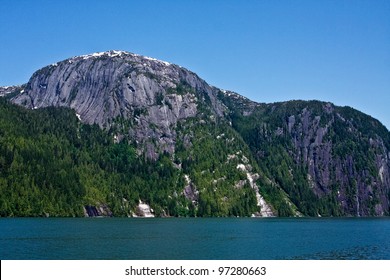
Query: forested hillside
{"points": [[120, 134], [332, 161], [53, 165]]}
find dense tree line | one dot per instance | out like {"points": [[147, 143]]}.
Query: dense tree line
{"points": [[51, 164]]}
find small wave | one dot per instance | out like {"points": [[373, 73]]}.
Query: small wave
{"points": [[353, 253]]}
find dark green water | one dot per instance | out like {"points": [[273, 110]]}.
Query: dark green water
{"points": [[115, 238]]}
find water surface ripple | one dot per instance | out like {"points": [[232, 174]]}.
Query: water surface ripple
{"points": [[182, 239]]}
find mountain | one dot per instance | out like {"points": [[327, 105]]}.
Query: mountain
{"points": [[330, 160], [144, 137], [113, 88]]}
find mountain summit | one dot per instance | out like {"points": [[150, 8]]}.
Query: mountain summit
{"points": [[222, 154], [109, 87]]}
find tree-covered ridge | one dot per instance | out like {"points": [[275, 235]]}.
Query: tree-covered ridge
{"points": [[329, 159], [53, 165]]}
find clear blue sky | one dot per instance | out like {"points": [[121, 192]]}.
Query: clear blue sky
{"points": [[268, 51]]}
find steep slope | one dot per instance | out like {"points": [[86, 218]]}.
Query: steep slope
{"points": [[132, 95], [330, 160], [156, 108], [208, 152], [53, 165]]}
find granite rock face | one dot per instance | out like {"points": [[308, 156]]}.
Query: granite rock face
{"points": [[341, 154], [10, 89], [137, 96], [101, 210], [360, 181]]}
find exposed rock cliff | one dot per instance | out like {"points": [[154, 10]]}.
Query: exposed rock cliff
{"points": [[97, 211], [10, 90], [342, 157], [135, 96], [316, 151]]}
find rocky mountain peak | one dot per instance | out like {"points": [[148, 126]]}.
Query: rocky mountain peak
{"points": [[136, 58], [118, 90]]}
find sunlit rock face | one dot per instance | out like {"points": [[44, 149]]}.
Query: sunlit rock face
{"points": [[141, 97]]}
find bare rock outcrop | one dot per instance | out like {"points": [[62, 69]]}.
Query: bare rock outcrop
{"points": [[137, 96]]}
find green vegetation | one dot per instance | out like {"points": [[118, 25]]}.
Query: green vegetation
{"points": [[181, 88], [51, 164], [273, 157], [266, 131], [211, 157], [206, 162]]}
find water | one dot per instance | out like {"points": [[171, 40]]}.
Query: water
{"points": [[185, 239]]}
